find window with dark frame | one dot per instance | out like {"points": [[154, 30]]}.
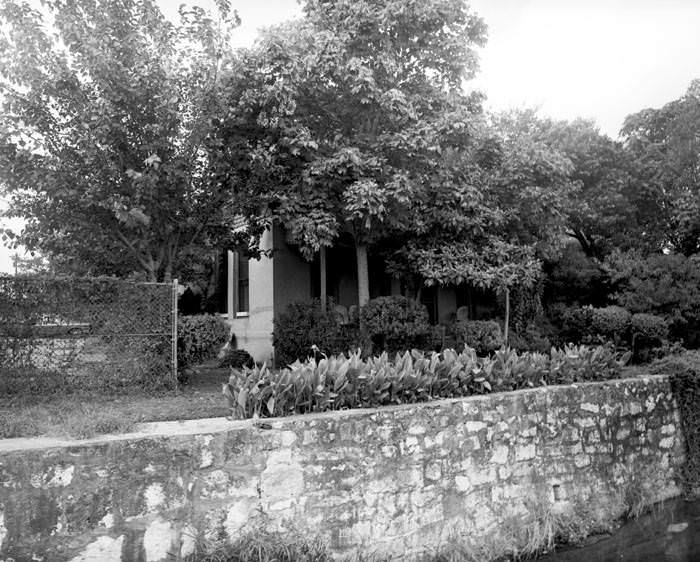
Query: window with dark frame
{"points": [[243, 301], [239, 289]]}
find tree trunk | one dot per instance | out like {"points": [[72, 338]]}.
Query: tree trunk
{"points": [[505, 326], [152, 271], [168, 273], [324, 289], [362, 274], [170, 258]]}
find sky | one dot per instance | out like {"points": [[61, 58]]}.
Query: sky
{"points": [[599, 59]]}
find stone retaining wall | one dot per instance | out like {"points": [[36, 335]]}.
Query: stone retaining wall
{"points": [[397, 479]]}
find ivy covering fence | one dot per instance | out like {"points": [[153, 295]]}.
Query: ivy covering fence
{"points": [[70, 334]]}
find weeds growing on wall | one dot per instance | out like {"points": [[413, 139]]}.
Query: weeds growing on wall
{"points": [[342, 382], [261, 545], [542, 530], [684, 370]]}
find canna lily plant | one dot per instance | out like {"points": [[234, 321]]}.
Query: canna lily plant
{"points": [[342, 382]]}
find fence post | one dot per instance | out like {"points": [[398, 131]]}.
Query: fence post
{"points": [[174, 334]]}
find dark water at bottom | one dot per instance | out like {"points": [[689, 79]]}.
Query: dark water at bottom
{"points": [[671, 533]]}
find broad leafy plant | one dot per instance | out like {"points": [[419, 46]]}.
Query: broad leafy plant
{"points": [[341, 382]]}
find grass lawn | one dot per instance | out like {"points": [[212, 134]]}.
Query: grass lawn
{"points": [[85, 415], [82, 416]]}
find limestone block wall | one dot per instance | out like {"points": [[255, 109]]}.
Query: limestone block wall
{"points": [[397, 479]]}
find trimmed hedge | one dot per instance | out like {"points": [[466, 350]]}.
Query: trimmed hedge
{"points": [[340, 382], [649, 336], [199, 338], [573, 323], [395, 323], [611, 323], [484, 336], [649, 330], [302, 325]]}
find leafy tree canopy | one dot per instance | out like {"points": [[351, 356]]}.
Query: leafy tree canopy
{"points": [[666, 285], [610, 209], [107, 147], [665, 143], [357, 101], [364, 126], [498, 209]]}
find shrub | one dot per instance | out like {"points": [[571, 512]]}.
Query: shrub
{"points": [[649, 336], [483, 335], [340, 382], [395, 323], [649, 330], [237, 359], [575, 279], [593, 325], [441, 337], [200, 338], [302, 325], [665, 285], [530, 339], [611, 323], [574, 322]]}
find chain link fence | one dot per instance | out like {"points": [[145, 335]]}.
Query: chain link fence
{"points": [[75, 334]]}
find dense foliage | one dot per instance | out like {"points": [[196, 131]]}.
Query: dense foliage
{"points": [[107, 144], [395, 324], [664, 285], [665, 145], [646, 335], [484, 336], [304, 327], [532, 337], [200, 337], [136, 146], [648, 330], [611, 323], [340, 382], [236, 359]]}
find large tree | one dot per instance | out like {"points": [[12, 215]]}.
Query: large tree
{"points": [[107, 144], [612, 207], [665, 144], [356, 102], [497, 210]]}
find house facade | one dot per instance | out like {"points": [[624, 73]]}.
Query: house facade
{"points": [[253, 291]]}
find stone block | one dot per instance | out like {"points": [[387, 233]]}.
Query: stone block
{"points": [[525, 452]]}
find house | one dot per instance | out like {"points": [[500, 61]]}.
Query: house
{"points": [[252, 291]]}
